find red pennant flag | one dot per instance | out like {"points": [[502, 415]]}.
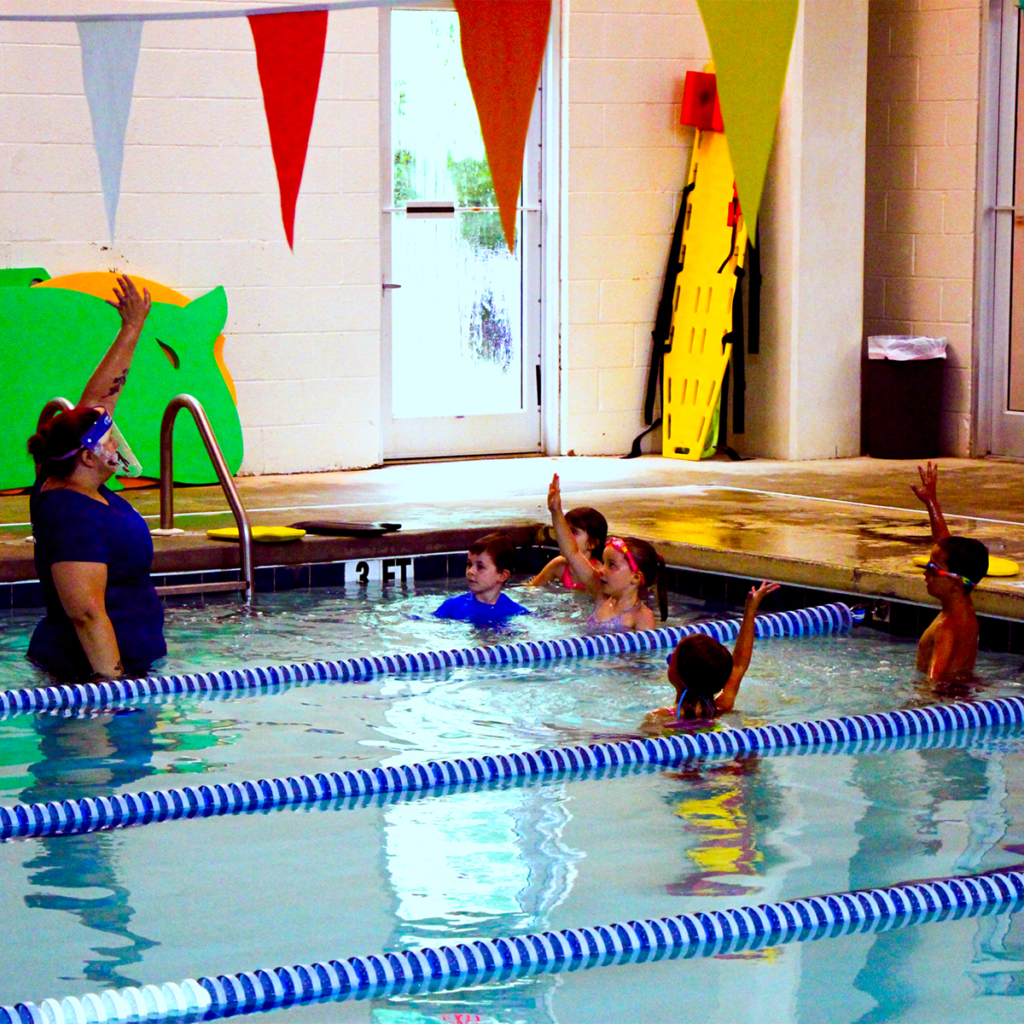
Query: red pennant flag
{"points": [[289, 55], [503, 44]]}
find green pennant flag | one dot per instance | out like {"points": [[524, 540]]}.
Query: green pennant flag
{"points": [[750, 43]]}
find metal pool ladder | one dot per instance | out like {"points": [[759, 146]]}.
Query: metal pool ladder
{"points": [[193, 405]]}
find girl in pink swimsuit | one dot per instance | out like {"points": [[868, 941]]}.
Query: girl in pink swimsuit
{"points": [[629, 566], [590, 529]]}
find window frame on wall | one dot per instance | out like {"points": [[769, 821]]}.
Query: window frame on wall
{"points": [[541, 290]]}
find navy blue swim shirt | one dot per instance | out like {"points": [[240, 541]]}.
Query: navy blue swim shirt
{"points": [[71, 527]]}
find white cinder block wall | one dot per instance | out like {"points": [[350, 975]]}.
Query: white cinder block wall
{"points": [[627, 160], [200, 208]]}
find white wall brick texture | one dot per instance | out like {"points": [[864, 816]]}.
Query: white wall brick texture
{"points": [[627, 164], [922, 123], [200, 207]]}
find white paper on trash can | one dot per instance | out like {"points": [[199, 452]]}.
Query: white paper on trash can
{"points": [[903, 347]]}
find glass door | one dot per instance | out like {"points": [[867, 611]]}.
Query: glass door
{"points": [[461, 314]]}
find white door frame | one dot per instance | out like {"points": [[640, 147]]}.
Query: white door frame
{"points": [[996, 429], [545, 286]]}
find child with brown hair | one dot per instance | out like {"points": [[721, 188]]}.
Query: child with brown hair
{"points": [[590, 529], [705, 676], [629, 567], [489, 564]]}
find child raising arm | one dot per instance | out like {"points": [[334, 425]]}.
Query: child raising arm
{"points": [[705, 676], [590, 529], [948, 648], [629, 566]]}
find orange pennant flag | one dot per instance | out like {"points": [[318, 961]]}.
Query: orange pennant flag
{"points": [[503, 43], [289, 56]]}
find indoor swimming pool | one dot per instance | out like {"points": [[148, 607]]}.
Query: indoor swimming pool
{"points": [[346, 877]]}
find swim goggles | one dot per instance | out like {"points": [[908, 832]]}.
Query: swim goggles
{"points": [[968, 584], [122, 461], [620, 545], [709, 705]]}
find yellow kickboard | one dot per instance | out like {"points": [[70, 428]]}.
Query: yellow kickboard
{"points": [[695, 356], [260, 534], [996, 566]]}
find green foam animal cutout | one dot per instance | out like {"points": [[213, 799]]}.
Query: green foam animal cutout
{"points": [[52, 338]]}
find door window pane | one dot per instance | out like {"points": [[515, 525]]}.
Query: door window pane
{"points": [[457, 325]]}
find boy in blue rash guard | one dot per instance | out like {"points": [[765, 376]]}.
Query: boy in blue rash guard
{"points": [[489, 565]]}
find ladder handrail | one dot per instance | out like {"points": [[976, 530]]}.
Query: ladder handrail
{"points": [[52, 407], [223, 475]]}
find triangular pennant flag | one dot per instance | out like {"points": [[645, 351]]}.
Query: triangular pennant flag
{"points": [[110, 55], [750, 43], [503, 47], [289, 55]]}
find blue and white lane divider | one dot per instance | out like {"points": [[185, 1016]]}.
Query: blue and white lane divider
{"points": [[474, 963], [90, 814], [961, 739], [829, 618]]}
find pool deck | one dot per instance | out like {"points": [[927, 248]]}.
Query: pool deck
{"points": [[849, 525]]}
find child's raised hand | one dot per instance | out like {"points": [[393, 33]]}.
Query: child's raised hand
{"points": [[758, 594], [928, 492], [554, 496]]}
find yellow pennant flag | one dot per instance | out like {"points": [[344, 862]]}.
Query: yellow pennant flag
{"points": [[750, 43]]}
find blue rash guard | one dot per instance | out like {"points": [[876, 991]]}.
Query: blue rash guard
{"points": [[71, 527], [468, 609]]}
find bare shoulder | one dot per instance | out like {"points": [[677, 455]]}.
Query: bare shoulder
{"points": [[550, 572], [643, 618]]}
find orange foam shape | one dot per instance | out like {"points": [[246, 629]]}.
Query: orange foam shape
{"points": [[503, 49], [101, 284]]}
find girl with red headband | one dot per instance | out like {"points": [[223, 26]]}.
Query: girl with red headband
{"points": [[629, 568]]}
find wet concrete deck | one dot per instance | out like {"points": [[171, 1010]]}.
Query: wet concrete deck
{"points": [[847, 525]]}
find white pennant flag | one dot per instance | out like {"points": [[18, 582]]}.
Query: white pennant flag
{"points": [[110, 55]]}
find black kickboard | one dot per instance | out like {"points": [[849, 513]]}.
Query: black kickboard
{"points": [[336, 528]]}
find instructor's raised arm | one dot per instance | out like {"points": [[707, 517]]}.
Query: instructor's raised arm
{"points": [[109, 377]]}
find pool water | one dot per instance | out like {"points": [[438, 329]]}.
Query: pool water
{"points": [[327, 622], [166, 901], [179, 899], [457, 712]]}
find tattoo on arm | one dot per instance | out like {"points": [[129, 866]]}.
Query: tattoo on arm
{"points": [[116, 384]]}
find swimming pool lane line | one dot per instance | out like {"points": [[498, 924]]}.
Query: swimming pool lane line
{"points": [[91, 814], [702, 933], [820, 620], [934, 740]]}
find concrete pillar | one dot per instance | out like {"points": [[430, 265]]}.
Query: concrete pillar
{"points": [[803, 389]]}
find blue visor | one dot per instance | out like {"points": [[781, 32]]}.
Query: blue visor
{"points": [[92, 437]]}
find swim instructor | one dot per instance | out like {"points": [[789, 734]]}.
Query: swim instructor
{"points": [[93, 550]]}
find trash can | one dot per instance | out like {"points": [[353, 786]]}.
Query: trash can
{"points": [[904, 396]]}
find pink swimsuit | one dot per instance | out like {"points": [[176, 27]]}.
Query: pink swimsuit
{"points": [[569, 583]]}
